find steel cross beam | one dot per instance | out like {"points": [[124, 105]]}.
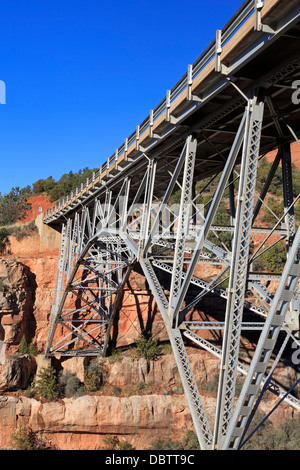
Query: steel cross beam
{"points": [[183, 226]]}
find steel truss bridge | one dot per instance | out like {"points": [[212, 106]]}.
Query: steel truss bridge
{"points": [[213, 129]]}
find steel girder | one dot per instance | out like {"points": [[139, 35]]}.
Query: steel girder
{"points": [[92, 269]]}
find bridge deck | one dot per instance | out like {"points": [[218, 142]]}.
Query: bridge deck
{"points": [[208, 101]]}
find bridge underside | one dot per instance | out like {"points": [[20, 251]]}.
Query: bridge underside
{"points": [[193, 197]]}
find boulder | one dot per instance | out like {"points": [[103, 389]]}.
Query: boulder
{"points": [[17, 372]]}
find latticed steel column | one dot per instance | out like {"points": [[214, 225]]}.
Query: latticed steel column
{"points": [[239, 268], [183, 222], [288, 199], [59, 281], [93, 266], [286, 289], [197, 410]]}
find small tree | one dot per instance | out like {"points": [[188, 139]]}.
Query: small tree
{"points": [[287, 436], [24, 439], [94, 376], [25, 348], [13, 206], [274, 258], [4, 240], [39, 186], [45, 384], [70, 385], [147, 347]]}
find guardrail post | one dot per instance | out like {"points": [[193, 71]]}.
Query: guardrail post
{"points": [[137, 137], [218, 50], [258, 5], [168, 105], [189, 81], [125, 149], [151, 123], [100, 175]]}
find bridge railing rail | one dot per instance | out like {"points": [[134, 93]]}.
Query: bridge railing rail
{"points": [[213, 49]]}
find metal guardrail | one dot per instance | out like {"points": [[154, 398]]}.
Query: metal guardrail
{"points": [[213, 50]]}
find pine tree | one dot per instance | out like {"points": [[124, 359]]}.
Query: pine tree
{"points": [[45, 384]]}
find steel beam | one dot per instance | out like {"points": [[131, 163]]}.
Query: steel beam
{"points": [[238, 270]]}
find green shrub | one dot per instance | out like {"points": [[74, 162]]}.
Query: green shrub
{"points": [[94, 376], [125, 446], [287, 437], [274, 258], [69, 385], [276, 207], [23, 231], [25, 348], [30, 392], [111, 442], [25, 439], [4, 241], [263, 438], [147, 347], [116, 391], [45, 383], [165, 348], [189, 442]]}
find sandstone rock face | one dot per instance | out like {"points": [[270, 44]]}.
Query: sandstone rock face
{"points": [[44, 268], [17, 372], [17, 295], [84, 423], [162, 372]]}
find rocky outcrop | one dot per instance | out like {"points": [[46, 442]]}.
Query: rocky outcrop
{"points": [[162, 372], [17, 373], [85, 422], [17, 296], [141, 401]]}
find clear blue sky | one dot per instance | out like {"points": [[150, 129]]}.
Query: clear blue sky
{"points": [[80, 75]]}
